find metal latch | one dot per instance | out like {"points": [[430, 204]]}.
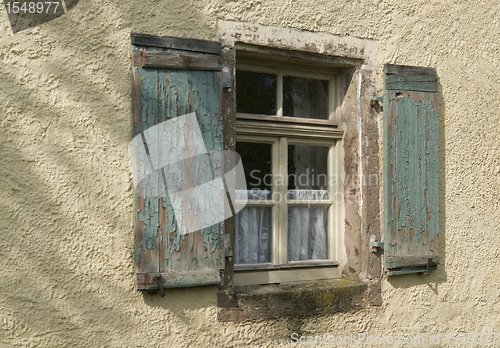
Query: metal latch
{"points": [[157, 278]]}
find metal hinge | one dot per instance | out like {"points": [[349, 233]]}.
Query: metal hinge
{"points": [[374, 245]]}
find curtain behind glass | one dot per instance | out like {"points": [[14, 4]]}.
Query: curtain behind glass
{"points": [[252, 229]]}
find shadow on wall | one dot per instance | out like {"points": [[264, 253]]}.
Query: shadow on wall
{"points": [[67, 262], [438, 276]]}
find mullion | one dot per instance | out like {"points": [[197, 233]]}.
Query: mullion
{"points": [[279, 95]]}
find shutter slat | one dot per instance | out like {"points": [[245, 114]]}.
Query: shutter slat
{"points": [[411, 218], [178, 43], [169, 60]]}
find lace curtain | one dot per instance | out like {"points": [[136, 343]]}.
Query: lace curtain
{"points": [[307, 228]]}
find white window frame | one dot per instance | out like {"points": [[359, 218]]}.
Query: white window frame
{"points": [[281, 131]]}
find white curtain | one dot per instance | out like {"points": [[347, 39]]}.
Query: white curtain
{"points": [[252, 229], [307, 228]]}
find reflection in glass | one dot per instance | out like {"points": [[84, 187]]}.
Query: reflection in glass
{"points": [[257, 164], [255, 92], [307, 233], [305, 97], [252, 237], [307, 172]]}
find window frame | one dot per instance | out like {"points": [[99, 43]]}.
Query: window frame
{"points": [[358, 128], [317, 269]]}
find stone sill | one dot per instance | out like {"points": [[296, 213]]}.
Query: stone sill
{"points": [[294, 300]]}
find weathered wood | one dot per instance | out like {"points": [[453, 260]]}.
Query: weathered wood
{"points": [[181, 279], [167, 85], [183, 92], [412, 260], [294, 59], [407, 70], [412, 83], [177, 43], [411, 219], [169, 60]]}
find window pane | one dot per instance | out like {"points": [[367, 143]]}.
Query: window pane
{"points": [[307, 233], [253, 235], [255, 92], [306, 98], [307, 172], [257, 164]]}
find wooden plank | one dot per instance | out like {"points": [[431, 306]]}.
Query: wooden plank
{"points": [[146, 236], [173, 279], [186, 91], [412, 260], [170, 60], [406, 70], [177, 43], [412, 83]]}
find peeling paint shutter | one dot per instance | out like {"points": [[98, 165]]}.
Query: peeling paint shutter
{"points": [[173, 77], [411, 218]]}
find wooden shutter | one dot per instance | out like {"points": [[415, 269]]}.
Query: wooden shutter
{"points": [[411, 217], [173, 77]]}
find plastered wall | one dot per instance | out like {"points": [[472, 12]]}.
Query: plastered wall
{"points": [[66, 245]]}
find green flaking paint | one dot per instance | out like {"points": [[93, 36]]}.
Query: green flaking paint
{"points": [[150, 217], [415, 177], [432, 174], [166, 94], [175, 90], [137, 255], [393, 199]]}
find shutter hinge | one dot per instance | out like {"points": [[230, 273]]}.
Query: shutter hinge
{"points": [[377, 101], [374, 245]]}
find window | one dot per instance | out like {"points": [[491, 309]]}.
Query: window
{"points": [[303, 104], [287, 137]]}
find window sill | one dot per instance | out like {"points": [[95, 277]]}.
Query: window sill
{"points": [[294, 299]]}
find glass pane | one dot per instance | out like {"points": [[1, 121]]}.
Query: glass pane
{"points": [[257, 164], [306, 98], [307, 233], [307, 172], [253, 235], [255, 92]]}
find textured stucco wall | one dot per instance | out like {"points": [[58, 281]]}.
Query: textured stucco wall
{"points": [[65, 186]]}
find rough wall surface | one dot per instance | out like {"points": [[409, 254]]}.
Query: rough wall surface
{"points": [[66, 191]]}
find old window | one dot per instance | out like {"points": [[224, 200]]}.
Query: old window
{"points": [[287, 137], [296, 106]]}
